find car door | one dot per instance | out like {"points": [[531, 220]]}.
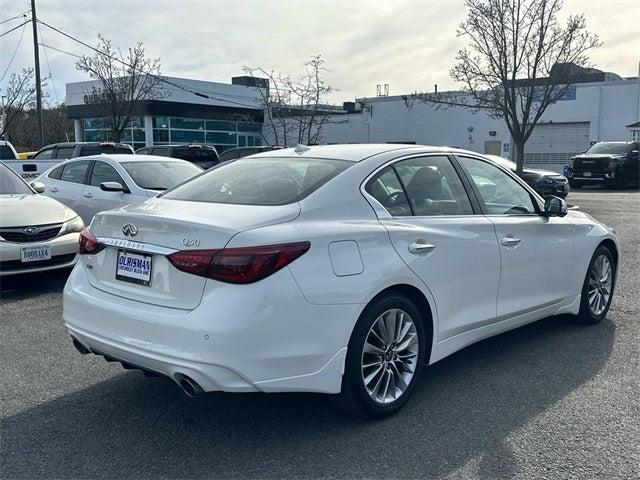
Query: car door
{"points": [[97, 200], [537, 252], [71, 185], [440, 233]]}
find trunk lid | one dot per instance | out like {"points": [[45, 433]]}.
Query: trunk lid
{"points": [[163, 226]]}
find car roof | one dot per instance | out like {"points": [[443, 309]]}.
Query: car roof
{"points": [[129, 157], [355, 152]]}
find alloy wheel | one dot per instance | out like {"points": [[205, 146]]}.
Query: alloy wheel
{"points": [[600, 281], [389, 356]]}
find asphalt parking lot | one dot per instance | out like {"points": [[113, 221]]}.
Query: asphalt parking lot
{"points": [[550, 400]]}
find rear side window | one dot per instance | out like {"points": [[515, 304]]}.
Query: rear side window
{"points": [[65, 153], [260, 181], [433, 186], [98, 149], [56, 173], [385, 187], [74, 172], [103, 172], [163, 152], [229, 155]]}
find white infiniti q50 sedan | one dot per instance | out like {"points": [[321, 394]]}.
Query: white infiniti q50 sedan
{"points": [[340, 269]]}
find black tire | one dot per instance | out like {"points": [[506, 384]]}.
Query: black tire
{"points": [[586, 314], [354, 397], [574, 184]]}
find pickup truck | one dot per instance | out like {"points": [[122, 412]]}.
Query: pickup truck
{"points": [[613, 164]]}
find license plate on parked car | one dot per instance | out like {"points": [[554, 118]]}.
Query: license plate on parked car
{"points": [[587, 174], [35, 254], [134, 267]]}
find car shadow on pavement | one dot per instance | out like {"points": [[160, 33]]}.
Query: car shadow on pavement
{"points": [[23, 286], [463, 411]]}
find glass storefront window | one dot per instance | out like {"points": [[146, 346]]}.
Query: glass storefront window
{"points": [[160, 135], [220, 125], [249, 127], [160, 122], [138, 135], [186, 136], [94, 123], [188, 123], [222, 137]]}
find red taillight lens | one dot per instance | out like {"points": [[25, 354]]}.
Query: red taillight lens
{"points": [[88, 243], [238, 265]]}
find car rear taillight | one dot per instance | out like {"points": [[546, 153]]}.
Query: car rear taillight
{"points": [[238, 265], [106, 144], [88, 244]]}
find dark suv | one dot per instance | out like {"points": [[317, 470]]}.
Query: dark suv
{"points": [[64, 151], [608, 163], [205, 156], [234, 153]]}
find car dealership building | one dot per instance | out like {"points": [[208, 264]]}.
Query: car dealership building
{"points": [[189, 111]]}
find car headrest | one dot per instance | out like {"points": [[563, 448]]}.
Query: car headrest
{"points": [[426, 184]]}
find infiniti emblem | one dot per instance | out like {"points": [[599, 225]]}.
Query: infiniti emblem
{"points": [[31, 230], [130, 230]]}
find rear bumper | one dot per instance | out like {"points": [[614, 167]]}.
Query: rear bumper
{"points": [[238, 339]]}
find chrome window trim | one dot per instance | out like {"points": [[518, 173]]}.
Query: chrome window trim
{"points": [[135, 246]]}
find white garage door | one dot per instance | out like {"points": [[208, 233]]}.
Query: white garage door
{"points": [[551, 145]]}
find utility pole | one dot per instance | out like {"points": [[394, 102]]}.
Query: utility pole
{"points": [[36, 55]]}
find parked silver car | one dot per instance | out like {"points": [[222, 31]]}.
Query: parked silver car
{"points": [[102, 182]]}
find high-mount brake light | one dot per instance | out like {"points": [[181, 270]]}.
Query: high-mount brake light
{"points": [[238, 265], [88, 243]]}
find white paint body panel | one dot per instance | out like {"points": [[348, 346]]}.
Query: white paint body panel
{"points": [[290, 331]]}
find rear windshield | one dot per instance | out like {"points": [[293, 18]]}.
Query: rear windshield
{"points": [[12, 184], [614, 147], [160, 174], [97, 150], [260, 181]]}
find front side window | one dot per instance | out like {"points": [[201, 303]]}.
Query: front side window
{"points": [[75, 172], [103, 172], [501, 194], [433, 186], [160, 175], [260, 181], [229, 154], [44, 154], [385, 187]]}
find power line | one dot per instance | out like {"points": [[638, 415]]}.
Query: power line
{"points": [[22, 15], [158, 77], [14, 28], [46, 57], [24, 25], [50, 47]]}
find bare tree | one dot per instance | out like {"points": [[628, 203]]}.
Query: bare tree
{"points": [[519, 60], [295, 108], [124, 80], [19, 94]]}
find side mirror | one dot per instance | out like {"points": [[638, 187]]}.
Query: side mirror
{"points": [[38, 187], [111, 187], [555, 207]]}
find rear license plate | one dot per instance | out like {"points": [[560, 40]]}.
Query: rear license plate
{"points": [[134, 267], [587, 174], [35, 254]]}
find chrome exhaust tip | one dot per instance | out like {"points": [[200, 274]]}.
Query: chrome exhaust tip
{"points": [[189, 386]]}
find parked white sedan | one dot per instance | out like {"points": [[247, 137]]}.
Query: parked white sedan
{"points": [[334, 269], [101, 182], [36, 233]]}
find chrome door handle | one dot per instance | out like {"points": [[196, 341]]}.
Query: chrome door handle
{"points": [[87, 195], [421, 246], [53, 189], [510, 241]]}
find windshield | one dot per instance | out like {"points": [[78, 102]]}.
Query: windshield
{"points": [[260, 181], [612, 147], [11, 183], [159, 174]]}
